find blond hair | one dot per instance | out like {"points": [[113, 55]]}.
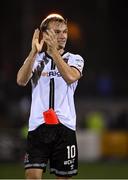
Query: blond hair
{"points": [[49, 18]]}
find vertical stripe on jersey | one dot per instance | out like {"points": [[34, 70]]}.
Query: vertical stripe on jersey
{"points": [[51, 94]]}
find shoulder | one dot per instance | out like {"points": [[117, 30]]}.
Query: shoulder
{"points": [[69, 55]]}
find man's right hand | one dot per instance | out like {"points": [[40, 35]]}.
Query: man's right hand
{"points": [[36, 44]]}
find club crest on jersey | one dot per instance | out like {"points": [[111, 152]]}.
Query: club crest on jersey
{"points": [[51, 73]]}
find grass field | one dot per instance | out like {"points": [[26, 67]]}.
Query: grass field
{"points": [[86, 171]]}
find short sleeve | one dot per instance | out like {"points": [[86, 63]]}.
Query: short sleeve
{"points": [[76, 61]]}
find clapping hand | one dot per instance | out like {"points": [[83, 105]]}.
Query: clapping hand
{"points": [[37, 43]]}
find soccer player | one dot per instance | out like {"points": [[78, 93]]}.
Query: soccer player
{"points": [[54, 76]]}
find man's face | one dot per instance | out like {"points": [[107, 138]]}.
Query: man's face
{"points": [[61, 31]]}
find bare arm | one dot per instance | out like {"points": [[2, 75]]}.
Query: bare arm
{"points": [[24, 73]]}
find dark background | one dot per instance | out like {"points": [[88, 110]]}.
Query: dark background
{"points": [[98, 32], [102, 41]]}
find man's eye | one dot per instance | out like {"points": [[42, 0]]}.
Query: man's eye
{"points": [[66, 31], [57, 32]]}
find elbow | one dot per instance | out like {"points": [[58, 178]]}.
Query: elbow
{"points": [[72, 77], [20, 82], [71, 80]]}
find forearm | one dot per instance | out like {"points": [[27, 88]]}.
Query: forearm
{"points": [[68, 73], [25, 71]]}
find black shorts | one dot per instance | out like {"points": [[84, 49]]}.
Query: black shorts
{"points": [[55, 144]]}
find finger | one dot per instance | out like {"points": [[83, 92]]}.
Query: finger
{"points": [[52, 35], [47, 41], [46, 37], [36, 42], [41, 43], [53, 32], [36, 34], [39, 47]]}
